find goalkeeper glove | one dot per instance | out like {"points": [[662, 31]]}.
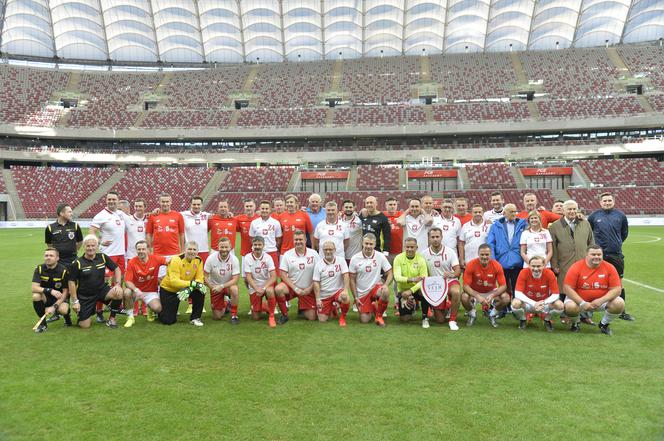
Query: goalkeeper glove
{"points": [[183, 294], [196, 285]]}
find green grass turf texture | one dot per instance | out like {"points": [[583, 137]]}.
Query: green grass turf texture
{"points": [[317, 381]]}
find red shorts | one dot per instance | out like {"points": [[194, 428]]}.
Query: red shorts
{"points": [[257, 302], [366, 302], [217, 299], [203, 255], [327, 304], [447, 304], [120, 262], [275, 258], [303, 302]]}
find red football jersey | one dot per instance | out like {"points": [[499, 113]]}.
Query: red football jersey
{"points": [[166, 229], [547, 217], [484, 279], [537, 289], [465, 218], [396, 233], [222, 227], [145, 275], [291, 222], [243, 224], [592, 283]]}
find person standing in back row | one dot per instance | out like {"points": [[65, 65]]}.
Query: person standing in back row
{"points": [[610, 230], [376, 223]]}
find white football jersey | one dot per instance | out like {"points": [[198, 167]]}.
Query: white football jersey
{"points": [[300, 267], [535, 243], [268, 229], [135, 229], [443, 261], [473, 236], [416, 228], [451, 229], [330, 275], [336, 232], [367, 271], [492, 216], [259, 268], [354, 226], [111, 224], [195, 228], [221, 271]]}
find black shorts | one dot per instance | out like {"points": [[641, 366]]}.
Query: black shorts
{"points": [[88, 304], [50, 300], [404, 310]]}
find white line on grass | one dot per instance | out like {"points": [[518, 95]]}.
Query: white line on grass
{"points": [[654, 238], [643, 285]]}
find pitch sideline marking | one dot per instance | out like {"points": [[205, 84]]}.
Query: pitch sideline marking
{"points": [[643, 285], [654, 238]]}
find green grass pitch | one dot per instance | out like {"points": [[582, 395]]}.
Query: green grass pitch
{"points": [[312, 381]]}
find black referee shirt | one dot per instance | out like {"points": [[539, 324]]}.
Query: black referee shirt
{"points": [[89, 274], [54, 278], [376, 224], [64, 239]]}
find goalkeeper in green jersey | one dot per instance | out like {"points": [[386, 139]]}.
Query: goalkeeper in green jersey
{"points": [[409, 269]]}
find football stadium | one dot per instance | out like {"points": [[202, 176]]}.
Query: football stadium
{"points": [[332, 219]]}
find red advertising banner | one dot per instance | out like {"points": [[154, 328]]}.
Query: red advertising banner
{"points": [[550, 171], [315, 176], [414, 174]]}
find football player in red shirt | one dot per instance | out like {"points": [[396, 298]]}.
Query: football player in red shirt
{"points": [[222, 225], [484, 283], [243, 224]]}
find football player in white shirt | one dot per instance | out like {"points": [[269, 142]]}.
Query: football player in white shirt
{"points": [[269, 229], [297, 276], [497, 205], [365, 281], [135, 226], [331, 284], [222, 273], [331, 229], [536, 241], [259, 273], [473, 234], [196, 226], [427, 206], [416, 224], [443, 261], [450, 225], [354, 224], [109, 224]]}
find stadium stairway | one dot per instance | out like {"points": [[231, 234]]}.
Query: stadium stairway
{"points": [[351, 183], [464, 180], [72, 87], [294, 181], [403, 178], [560, 195], [98, 193], [581, 175], [518, 177], [213, 185], [16, 211]]}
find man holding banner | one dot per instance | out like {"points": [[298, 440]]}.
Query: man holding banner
{"points": [[444, 293]]}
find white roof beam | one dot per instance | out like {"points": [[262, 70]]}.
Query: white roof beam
{"points": [[154, 30], [200, 30], [103, 29], [239, 16], [283, 36]]}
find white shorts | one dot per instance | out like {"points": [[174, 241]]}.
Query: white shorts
{"points": [[150, 296], [601, 308]]}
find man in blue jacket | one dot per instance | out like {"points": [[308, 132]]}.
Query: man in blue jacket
{"points": [[503, 238], [610, 230]]}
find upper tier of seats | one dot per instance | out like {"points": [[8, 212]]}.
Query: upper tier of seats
{"points": [[615, 172], [376, 177], [253, 179], [630, 200], [570, 83]]}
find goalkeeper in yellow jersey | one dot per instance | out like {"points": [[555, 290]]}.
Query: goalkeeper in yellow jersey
{"points": [[409, 269], [184, 279]]}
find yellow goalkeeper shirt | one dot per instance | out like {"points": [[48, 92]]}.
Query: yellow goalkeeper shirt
{"points": [[405, 268], [181, 272]]}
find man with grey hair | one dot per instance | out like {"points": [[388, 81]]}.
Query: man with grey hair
{"points": [[570, 237], [331, 229], [504, 239]]}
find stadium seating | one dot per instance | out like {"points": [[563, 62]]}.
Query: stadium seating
{"points": [[281, 117], [473, 76], [203, 89], [616, 172], [149, 182], [379, 115], [41, 189], [590, 107], [253, 179], [494, 175], [476, 112], [645, 60], [108, 97], [187, 118], [380, 80], [3, 188], [657, 102], [25, 93], [376, 177], [630, 200], [291, 85]]}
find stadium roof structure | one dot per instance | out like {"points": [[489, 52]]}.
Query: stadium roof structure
{"points": [[235, 31]]}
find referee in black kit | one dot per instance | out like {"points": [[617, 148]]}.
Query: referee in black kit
{"points": [[87, 284], [66, 237]]}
